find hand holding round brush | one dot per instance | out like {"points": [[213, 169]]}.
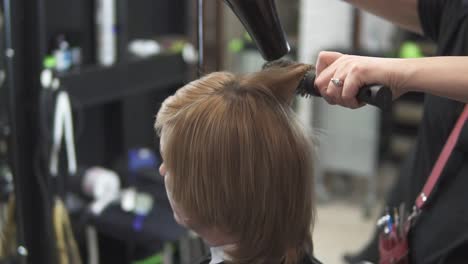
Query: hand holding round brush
{"points": [[377, 95]]}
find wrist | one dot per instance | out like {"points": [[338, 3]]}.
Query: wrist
{"points": [[400, 77], [409, 75]]}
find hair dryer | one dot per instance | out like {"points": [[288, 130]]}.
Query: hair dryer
{"points": [[261, 20]]}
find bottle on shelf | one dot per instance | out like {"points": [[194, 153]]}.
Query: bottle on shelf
{"points": [[63, 55], [106, 32]]}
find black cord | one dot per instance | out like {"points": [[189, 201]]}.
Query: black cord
{"points": [[79, 117], [42, 176], [46, 99]]}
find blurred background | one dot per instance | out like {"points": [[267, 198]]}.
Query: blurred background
{"points": [[81, 81]]}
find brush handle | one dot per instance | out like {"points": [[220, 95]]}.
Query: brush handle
{"points": [[376, 95]]}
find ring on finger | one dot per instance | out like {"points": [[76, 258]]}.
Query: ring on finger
{"points": [[337, 82]]}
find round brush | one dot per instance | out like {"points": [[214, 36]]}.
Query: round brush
{"points": [[376, 95]]}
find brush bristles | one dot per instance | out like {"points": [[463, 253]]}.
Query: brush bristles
{"points": [[306, 86], [302, 91], [281, 63]]}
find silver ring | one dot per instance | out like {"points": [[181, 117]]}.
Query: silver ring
{"points": [[337, 82]]}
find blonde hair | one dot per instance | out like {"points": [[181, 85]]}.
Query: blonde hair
{"points": [[240, 162]]}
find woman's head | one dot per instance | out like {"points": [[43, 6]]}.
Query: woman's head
{"points": [[238, 161]]}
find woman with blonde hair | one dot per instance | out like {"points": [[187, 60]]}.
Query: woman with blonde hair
{"points": [[237, 166]]}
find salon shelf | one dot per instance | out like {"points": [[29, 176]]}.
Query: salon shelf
{"points": [[159, 225], [407, 112], [98, 85]]}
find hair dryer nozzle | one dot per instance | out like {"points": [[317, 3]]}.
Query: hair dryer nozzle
{"points": [[261, 20]]}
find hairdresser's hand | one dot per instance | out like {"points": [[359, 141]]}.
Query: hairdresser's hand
{"points": [[355, 72]]}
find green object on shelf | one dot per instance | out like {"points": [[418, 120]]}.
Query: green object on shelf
{"points": [[155, 259], [236, 45], [410, 50], [177, 46], [49, 62]]}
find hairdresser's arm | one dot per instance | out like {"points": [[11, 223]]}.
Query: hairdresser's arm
{"points": [[442, 76], [401, 12]]}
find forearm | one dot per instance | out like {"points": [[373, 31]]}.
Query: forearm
{"points": [[442, 76], [401, 12]]}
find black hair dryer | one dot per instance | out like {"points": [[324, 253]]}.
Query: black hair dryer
{"points": [[261, 20]]}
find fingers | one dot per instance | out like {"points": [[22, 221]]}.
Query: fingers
{"points": [[325, 59], [345, 69], [331, 92], [351, 88], [349, 93], [335, 88]]}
